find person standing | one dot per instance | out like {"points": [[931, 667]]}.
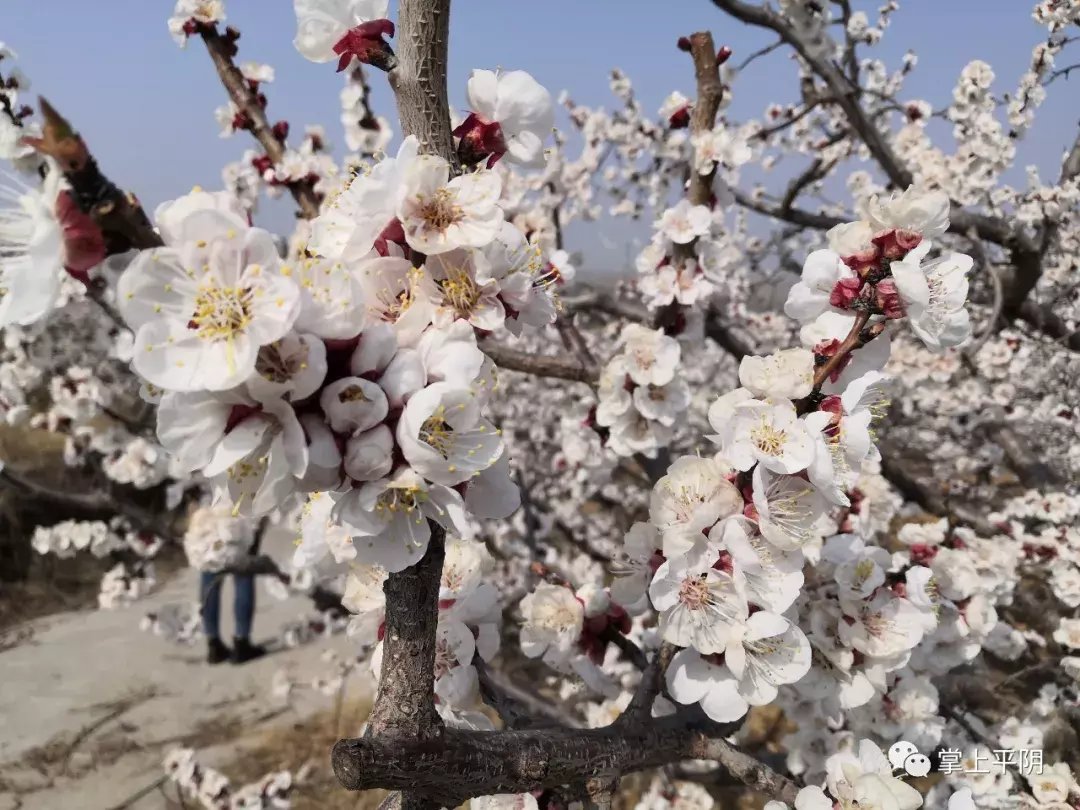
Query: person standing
{"points": [[215, 542]]}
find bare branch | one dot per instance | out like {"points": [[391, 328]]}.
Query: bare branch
{"points": [[477, 763], [540, 365], [518, 708], [652, 681]]}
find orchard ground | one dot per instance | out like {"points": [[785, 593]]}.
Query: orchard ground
{"points": [[91, 704]]}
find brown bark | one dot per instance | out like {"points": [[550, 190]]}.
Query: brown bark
{"points": [[121, 219], [419, 80], [405, 703], [478, 763]]}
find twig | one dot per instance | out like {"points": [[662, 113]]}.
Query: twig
{"points": [[518, 708], [221, 52], [539, 365], [652, 681], [758, 54]]}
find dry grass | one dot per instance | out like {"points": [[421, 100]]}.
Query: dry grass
{"points": [[290, 746]]}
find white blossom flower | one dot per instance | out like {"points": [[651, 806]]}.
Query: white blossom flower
{"points": [[915, 210], [258, 462], [321, 534], [459, 294], [42, 234], [634, 570], [787, 508], [511, 114], [771, 434], [773, 577], [444, 437], [761, 654], [292, 368], [334, 305], [343, 29], [439, 214], [201, 313], [934, 296], [206, 12], [699, 605], [684, 222], [352, 221], [553, 621], [693, 495], [652, 356], [353, 405], [787, 374], [388, 518], [866, 779]]}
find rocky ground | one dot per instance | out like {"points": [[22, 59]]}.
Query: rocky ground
{"points": [[89, 703]]}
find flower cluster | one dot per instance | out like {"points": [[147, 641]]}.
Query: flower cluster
{"points": [[350, 369], [641, 393], [216, 539], [212, 790]]}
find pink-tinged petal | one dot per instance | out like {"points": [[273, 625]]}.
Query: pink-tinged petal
{"points": [[84, 245]]}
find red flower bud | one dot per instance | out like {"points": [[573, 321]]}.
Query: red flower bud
{"points": [[366, 43], [281, 130], [923, 554], [393, 232], [683, 44], [680, 119], [723, 55], [480, 139]]}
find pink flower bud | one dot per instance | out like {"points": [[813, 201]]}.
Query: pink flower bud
{"points": [[844, 292], [888, 299], [895, 244]]}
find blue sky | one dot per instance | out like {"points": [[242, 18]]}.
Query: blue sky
{"points": [[146, 106]]}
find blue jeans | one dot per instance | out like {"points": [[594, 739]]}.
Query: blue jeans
{"points": [[210, 585]]}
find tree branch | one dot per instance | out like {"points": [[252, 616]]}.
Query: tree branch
{"points": [[121, 219], [540, 365], [221, 53], [465, 764], [405, 704], [419, 80]]}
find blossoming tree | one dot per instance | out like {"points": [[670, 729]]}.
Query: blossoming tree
{"points": [[566, 567]]}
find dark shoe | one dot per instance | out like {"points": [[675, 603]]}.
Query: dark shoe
{"points": [[244, 651], [216, 651]]}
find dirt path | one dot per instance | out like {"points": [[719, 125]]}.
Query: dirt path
{"points": [[90, 704]]}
